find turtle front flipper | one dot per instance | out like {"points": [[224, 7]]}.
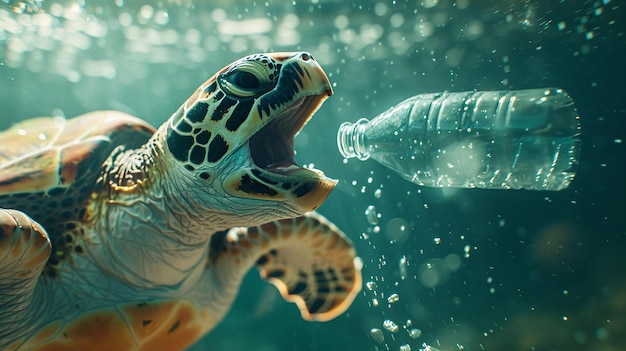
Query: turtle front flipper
{"points": [[24, 251], [311, 262]]}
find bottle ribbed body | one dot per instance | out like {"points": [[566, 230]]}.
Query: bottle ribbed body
{"points": [[526, 139]]}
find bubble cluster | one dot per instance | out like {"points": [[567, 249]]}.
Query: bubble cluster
{"points": [[81, 39]]}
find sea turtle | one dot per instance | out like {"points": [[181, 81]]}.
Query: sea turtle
{"points": [[117, 236]]}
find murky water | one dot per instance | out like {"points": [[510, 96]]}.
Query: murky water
{"points": [[444, 269]]}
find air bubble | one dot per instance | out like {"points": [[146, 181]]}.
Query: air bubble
{"points": [[466, 251], [602, 334], [415, 333], [396, 230], [161, 17], [371, 285], [378, 193], [372, 215], [402, 266], [393, 298], [377, 335], [453, 262], [389, 325], [145, 14]]}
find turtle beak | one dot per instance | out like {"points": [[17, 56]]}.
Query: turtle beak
{"points": [[301, 89]]}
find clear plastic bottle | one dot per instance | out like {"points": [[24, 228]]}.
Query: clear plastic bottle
{"points": [[525, 139]]}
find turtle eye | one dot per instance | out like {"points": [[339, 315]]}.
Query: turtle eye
{"points": [[247, 79]]}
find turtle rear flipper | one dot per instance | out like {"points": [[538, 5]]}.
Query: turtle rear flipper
{"points": [[311, 262], [24, 251]]}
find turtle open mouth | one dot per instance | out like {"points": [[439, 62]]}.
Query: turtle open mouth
{"points": [[271, 148]]}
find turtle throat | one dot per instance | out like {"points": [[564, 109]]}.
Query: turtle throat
{"points": [[271, 148]]}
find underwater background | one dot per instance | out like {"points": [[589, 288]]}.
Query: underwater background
{"points": [[472, 269]]}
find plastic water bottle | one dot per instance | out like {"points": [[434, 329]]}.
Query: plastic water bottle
{"points": [[525, 139]]}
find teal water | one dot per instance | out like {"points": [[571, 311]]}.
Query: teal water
{"points": [[472, 269]]}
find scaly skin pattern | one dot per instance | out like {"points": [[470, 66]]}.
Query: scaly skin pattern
{"points": [[122, 237]]}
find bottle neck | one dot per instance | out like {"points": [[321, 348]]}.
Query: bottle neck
{"points": [[350, 140]]}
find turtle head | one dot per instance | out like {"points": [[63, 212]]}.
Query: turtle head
{"points": [[236, 132]]}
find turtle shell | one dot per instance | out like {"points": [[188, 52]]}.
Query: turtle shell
{"points": [[49, 165]]}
